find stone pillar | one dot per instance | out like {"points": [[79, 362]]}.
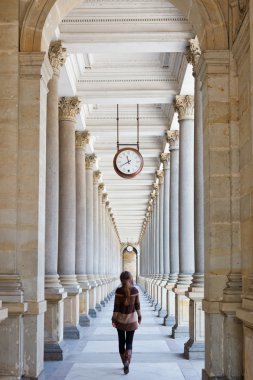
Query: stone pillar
{"points": [[54, 292], [194, 347], [104, 265], [82, 138], [166, 233], [97, 237], [101, 232], [184, 105], [161, 293], [68, 109], [24, 188], [222, 239], [173, 140], [90, 161]]}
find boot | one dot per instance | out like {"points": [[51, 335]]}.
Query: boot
{"points": [[128, 356], [123, 357]]}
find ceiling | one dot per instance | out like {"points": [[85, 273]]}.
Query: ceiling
{"points": [[127, 53]]}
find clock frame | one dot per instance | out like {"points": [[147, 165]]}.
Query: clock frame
{"points": [[130, 175]]}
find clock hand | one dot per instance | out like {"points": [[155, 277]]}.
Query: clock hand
{"points": [[128, 162]]}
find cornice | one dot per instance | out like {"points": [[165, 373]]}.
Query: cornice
{"points": [[120, 20]]}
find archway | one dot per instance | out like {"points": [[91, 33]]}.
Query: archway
{"points": [[41, 19], [207, 19]]}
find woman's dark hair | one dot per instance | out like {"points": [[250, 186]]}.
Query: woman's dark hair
{"points": [[126, 279]]}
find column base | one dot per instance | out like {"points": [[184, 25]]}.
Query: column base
{"points": [[205, 376], [180, 331], [194, 350], [52, 352], [169, 321], [40, 377], [71, 332], [98, 307], [93, 313], [102, 303], [157, 307], [84, 320], [162, 313]]}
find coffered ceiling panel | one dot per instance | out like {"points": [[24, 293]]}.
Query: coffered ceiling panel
{"points": [[127, 53]]}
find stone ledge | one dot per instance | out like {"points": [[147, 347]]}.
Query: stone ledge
{"points": [[16, 308], [55, 297], [36, 308], [211, 307], [246, 316]]}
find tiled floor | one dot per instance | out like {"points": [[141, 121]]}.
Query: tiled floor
{"points": [[95, 356]]}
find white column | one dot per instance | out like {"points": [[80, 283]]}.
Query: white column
{"points": [[194, 347], [54, 292], [90, 161], [68, 109], [82, 138], [184, 105], [101, 232], [173, 140], [96, 178]]}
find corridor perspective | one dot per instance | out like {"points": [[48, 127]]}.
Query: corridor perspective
{"points": [[126, 144], [155, 354]]}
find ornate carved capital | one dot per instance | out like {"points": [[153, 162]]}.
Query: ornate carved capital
{"points": [[104, 197], [107, 203], [82, 138], [193, 52], [101, 188], [69, 107], [184, 106], [160, 175], [90, 160], [57, 56], [96, 176], [172, 138], [164, 157]]}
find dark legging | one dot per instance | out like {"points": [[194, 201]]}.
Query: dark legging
{"points": [[125, 340]]}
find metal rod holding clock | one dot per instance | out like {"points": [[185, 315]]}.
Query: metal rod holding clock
{"points": [[138, 130]]}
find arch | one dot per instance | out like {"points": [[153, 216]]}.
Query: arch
{"points": [[42, 17]]}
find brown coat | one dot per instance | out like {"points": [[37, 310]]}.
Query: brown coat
{"points": [[126, 317]]}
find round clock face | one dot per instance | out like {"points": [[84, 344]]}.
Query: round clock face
{"points": [[129, 248], [128, 162]]}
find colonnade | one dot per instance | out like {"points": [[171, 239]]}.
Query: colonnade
{"points": [[81, 238], [172, 239]]}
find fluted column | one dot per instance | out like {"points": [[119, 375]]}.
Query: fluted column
{"points": [[54, 292], [184, 105], [101, 232], [194, 347], [172, 138], [82, 138], [96, 178], [68, 109], [166, 233], [90, 160], [161, 301]]}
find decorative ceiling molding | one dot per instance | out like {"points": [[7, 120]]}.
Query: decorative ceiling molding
{"points": [[119, 20]]}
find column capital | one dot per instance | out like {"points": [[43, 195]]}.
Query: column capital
{"points": [[82, 138], [90, 160], [172, 138], [165, 159], [107, 204], [57, 56], [69, 107], [156, 188], [184, 106], [193, 52], [160, 176], [104, 197], [101, 188], [96, 176]]}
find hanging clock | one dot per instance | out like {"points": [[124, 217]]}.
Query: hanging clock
{"points": [[128, 162], [129, 248]]}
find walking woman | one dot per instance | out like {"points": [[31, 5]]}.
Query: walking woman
{"points": [[126, 316]]}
